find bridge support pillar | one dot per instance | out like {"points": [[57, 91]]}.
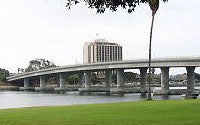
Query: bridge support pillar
{"points": [[62, 85], [87, 79], [190, 81], [62, 80], [42, 82], [143, 80], [81, 79], [86, 89], [108, 80], [120, 78], [26, 86], [26, 83], [165, 80], [120, 83]]}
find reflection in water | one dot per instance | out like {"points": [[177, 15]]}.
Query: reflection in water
{"points": [[143, 95], [30, 99], [165, 97]]}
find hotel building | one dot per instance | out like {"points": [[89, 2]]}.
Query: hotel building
{"points": [[101, 51]]}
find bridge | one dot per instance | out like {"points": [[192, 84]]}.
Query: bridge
{"points": [[84, 72]]}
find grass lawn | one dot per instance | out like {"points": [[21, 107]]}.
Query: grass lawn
{"points": [[173, 112]]}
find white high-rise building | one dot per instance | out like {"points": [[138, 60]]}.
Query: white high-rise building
{"points": [[101, 51]]}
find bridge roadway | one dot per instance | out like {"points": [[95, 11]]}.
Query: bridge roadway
{"points": [[84, 71]]}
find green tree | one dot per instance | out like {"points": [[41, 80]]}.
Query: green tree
{"points": [[37, 64], [73, 79], [102, 5], [130, 77], [3, 74]]}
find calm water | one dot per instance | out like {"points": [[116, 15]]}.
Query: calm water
{"points": [[10, 99]]}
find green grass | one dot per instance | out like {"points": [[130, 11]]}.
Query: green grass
{"points": [[173, 112]]}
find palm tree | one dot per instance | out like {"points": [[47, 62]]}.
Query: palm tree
{"points": [[154, 5]]}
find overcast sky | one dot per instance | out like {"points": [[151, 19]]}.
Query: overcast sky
{"points": [[46, 29]]}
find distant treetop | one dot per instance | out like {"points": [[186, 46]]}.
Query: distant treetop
{"points": [[37, 64]]}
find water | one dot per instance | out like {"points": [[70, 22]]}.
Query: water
{"points": [[17, 99]]}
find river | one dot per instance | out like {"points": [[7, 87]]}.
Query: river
{"points": [[18, 99]]}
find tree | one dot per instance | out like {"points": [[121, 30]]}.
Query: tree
{"points": [[130, 77], [73, 79], [37, 64], [3, 74], [154, 5], [101, 5]]}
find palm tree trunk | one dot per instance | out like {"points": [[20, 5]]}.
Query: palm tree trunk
{"points": [[150, 42]]}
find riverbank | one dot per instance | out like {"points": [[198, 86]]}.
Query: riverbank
{"points": [[4, 86], [171, 112]]}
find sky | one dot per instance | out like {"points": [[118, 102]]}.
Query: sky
{"points": [[46, 29]]}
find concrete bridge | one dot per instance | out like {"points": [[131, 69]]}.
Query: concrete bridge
{"points": [[84, 71]]}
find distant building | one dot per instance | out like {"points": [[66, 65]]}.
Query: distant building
{"points": [[101, 51]]}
